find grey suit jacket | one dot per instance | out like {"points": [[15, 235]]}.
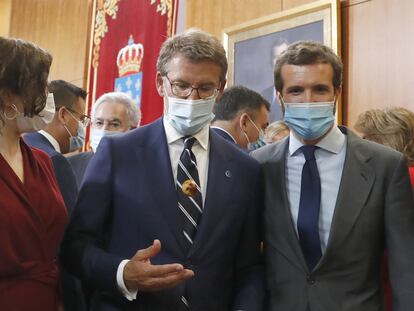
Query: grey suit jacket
{"points": [[374, 210]]}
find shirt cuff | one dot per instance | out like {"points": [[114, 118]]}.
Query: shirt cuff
{"points": [[130, 295]]}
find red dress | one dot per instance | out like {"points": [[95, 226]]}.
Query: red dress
{"points": [[32, 221], [411, 171]]}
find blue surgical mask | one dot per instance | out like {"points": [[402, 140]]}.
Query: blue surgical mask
{"points": [[310, 120], [97, 134], [76, 142], [189, 116], [259, 142]]}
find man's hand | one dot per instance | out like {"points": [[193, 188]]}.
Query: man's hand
{"points": [[141, 275]]}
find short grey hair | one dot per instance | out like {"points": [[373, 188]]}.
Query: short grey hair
{"points": [[196, 46], [134, 113]]}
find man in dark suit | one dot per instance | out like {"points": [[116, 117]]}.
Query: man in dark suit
{"points": [[240, 116], [112, 113], [64, 134], [333, 202], [58, 137], [158, 225]]}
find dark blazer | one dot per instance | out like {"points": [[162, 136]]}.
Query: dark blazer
{"points": [[374, 210], [128, 199], [72, 294], [64, 173], [223, 134], [79, 162]]}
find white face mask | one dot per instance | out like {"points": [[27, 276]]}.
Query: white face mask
{"points": [[37, 122], [189, 116], [96, 136]]}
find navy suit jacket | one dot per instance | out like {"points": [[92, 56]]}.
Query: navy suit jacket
{"points": [[79, 163], [128, 199], [223, 134], [63, 170]]}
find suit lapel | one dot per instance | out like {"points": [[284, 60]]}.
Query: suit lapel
{"points": [[356, 183], [278, 217], [163, 189]]}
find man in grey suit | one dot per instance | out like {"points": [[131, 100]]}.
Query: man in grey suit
{"points": [[333, 202]]}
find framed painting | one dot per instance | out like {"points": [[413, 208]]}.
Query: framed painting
{"points": [[253, 47]]}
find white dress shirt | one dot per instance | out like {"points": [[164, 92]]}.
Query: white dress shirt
{"points": [[51, 139], [201, 149], [330, 159]]}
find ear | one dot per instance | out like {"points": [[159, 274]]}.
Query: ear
{"points": [[160, 84], [243, 120], [62, 115], [280, 100]]}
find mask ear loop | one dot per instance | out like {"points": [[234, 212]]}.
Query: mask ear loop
{"points": [[15, 114], [244, 133]]}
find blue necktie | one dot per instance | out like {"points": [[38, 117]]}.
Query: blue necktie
{"points": [[309, 205]]}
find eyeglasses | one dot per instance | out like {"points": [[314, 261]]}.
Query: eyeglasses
{"points": [[183, 90], [83, 118]]}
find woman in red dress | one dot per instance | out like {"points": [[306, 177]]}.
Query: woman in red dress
{"points": [[32, 212], [393, 127]]}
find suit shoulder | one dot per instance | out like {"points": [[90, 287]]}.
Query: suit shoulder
{"points": [[378, 151], [270, 152]]}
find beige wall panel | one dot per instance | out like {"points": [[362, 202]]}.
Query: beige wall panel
{"points": [[61, 27], [379, 59], [288, 4], [5, 9], [215, 15]]}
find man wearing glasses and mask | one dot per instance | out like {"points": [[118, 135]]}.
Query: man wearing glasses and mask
{"points": [[112, 113], [158, 224], [333, 201], [66, 133]]}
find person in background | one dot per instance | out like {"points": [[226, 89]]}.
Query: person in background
{"points": [[66, 133], [112, 113], [158, 225], [240, 116], [276, 131], [32, 211], [392, 127], [333, 201]]}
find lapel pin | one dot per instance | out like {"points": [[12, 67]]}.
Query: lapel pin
{"points": [[228, 174], [189, 188]]}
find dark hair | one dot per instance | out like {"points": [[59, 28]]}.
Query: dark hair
{"points": [[65, 94], [238, 98], [308, 53], [24, 68], [195, 45]]}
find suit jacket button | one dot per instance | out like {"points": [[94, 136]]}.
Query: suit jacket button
{"points": [[311, 280]]}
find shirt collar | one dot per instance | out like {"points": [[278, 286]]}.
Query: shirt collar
{"points": [[172, 135], [222, 129], [51, 139], [333, 142]]}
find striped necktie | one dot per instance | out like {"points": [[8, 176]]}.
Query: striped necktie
{"points": [[189, 191]]}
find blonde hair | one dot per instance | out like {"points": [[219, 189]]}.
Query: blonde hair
{"points": [[274, 129], [393, 127]]}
